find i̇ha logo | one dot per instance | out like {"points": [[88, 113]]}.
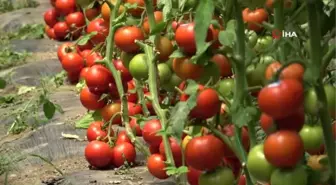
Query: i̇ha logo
{"points": [[277, 34]]}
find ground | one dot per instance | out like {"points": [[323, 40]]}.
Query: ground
{"points": [[65, 154]]}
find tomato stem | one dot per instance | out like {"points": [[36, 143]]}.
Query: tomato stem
{"points": [[117, 76], [141, 97], [279, 23], [315, 68], [327, 58]]}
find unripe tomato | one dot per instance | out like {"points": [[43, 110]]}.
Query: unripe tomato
{"points": [[281, 99], [61, 30], [204, 147], [255, 17], [125, 38], [312, 137], [105, 10], [291, 176], [123, 152], [50, 17], [226, 87], [156, 166], [98, 154], [185, 69], [149, 132], [220, 176], [110, 111], [91, 101], [102, 29], [284, 149], [164, 73], [165, 48], [73, 63], [138, 67]]}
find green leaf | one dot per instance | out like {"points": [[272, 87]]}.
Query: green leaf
{"points": [[231, 25], [192, 87], [85, 39], [245, 115], [179, 117], [3, 83], [86, 120], [176, 171], [49, 109], [227, 37], [177, 54], [203, 17], [167, 9], [158, 28]]}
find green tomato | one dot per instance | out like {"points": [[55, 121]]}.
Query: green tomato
{"points": [[211, 72], [165, 72], [295, 176], [173, 82], [126, 58], [256, 74], [170, 63], [266, 59], [252, 38], [312, 137], [311, 103], [221, 176], [263, 43], [138, 67], [258, 165], [226, 87]]}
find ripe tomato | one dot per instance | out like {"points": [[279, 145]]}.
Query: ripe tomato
{"points": [[156, 166], [91, 13], [311, 103], [125, 74], [65, 6], [95, 130], [312, 137], [154, 149], [229, 130], [165, 48], [176, 150], [135, 127], [100, 26], [221, 176], [98, 79], [185, 69], [204, 147], [293, 71], [138, 67], [223, 64], [283, 148], [158, 15], [134, 109], [50, 17], [98, 154], [267, 124], [83, 73], [193, 176], [242, 180], [50, 32], [91, 101], [75, 21], [64, 49], [131, 94], [293, 122], [208, 104], [105, 10], [73, 77], [149, 132], [53, 2], [111, 110], [125, 38], [92, 58], [257, 164], [73, 63], [251, 17], [122, 138], [123, 152], [185, 38], [281, 99], [61, 30], [293, 176]]}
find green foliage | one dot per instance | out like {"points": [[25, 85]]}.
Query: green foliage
{"points": [[87, 119], [29, 31], [10, 58], [8, 5]]}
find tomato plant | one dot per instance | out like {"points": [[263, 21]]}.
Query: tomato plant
{"points": [[98, 154], [125, 38], [221, 176], [90, 100], [123, 152], [295, 176], [96, 131], [149, 132], [255, 17], [312, 137], [156, 166]]}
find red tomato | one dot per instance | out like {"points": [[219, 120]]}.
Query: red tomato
{"points": [[50, 32], [334, 130], [134, 109], [100, 26], [64, 49], [92, 13], [193, 176], [176, 150], [110, 111], [140, 7], [125, 74], [83, 73], [229, 130], [284, 148], [50, 17], [242, 180], [73, 77], [122, 138], [131, 96], [75, 21], [293, 122], [267, 124], [95, 130], [85, 54], [158, 15], [204, 152], [272, 69], [91, 101], [156, 166], [185, 38], [53, 2], [223, 64], [125, 38], [98, 79], [98, 154], [175, 24], [135, 127], [282, 98], [73, 63], [61, 30], [154, 149], [149, 132], [185, 69], [92, 58], [123, 152], [255, 17], [293, 71], [65, 6]]}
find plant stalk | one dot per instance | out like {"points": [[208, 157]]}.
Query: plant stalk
{"points": [[279, 23], [315, 67]]}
